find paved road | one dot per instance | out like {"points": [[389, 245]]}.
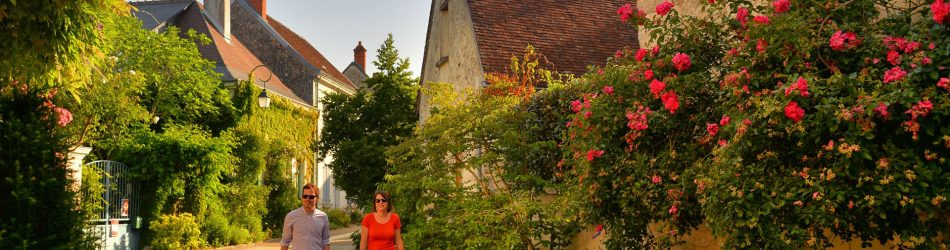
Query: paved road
{"points": [[339, 240]]}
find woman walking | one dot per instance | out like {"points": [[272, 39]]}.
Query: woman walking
{"points": [[381, 228]]}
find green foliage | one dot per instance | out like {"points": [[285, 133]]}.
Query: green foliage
{"points": [[40, 211], [763, 179], [50, 44], [176, 232], [461, 180], [338, 218], [358, 128], [282, 195]]}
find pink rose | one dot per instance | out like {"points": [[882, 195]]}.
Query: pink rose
{"points": [[894, 74], [656, 87], [64, 116], [664, 8], [761, 19], [794, 112], [742, 15], [724, 121], [625, 12], [781, 5], [944, 83], [670, 101], [712, 128], [640, 54], [608, 90], [939, 9], [681, 61]]}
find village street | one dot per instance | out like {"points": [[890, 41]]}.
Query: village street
{"points": [[339, 240]]}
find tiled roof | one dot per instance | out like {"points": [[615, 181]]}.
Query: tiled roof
{"points": [[308, 52], [233, 60], [570, 34]]}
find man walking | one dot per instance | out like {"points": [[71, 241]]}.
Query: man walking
{"points": [[307, 228]]}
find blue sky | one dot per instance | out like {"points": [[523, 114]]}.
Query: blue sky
{"points": [[334, 26]]}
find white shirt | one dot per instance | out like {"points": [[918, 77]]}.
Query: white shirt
{"points": [[306, 231]]}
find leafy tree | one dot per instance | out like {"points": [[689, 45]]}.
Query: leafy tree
{"points": [[358, 128], [482, 172], [45, 50]]}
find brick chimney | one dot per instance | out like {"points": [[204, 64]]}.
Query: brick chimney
{"points": [[260, 6], [359, 55], [219, 12]]}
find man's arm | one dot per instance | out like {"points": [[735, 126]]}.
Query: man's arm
{"points": [[288, 233], [326, 233]]}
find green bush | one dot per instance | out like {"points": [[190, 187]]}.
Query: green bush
{"points": [[239, 235], [338, 217], [216, 229], [176, 232]]}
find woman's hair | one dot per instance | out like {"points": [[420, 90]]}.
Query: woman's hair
{"points": [[389, 200]]}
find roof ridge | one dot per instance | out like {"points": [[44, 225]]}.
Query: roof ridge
{"points": [[334, 72], [159, 1]]}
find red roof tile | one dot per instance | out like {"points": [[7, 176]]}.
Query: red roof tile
{"points": [[570, 34], [308, 52]]}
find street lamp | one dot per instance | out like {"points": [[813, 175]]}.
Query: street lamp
{"points": [[263, 100]]}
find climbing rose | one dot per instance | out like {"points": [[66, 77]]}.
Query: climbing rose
{"points": [[781, 5], [742, 15], [670, 101], [656, 179], [842, 41], [576, 106], [894, 58], [656, 87], [761, 19], [591, 154], [648, 74], [894, 74], [608, 90], [792, 111], [673, 210], [881, 110], [761, 45], [681, 61], [638, 121], [664, 8], [640, 54], [944, 83], [724, 121], [625, 12], [64, 116], [801, 85], [939, 9], [712, 128]]}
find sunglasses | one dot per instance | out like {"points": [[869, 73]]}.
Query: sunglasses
{"points": [[310, 197], [381, 200]]}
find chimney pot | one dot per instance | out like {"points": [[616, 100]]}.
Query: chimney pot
{"points": [[261, 7], [359, 55]]}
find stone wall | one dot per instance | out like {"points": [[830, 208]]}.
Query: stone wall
{"points": [[451, 35], [273, 51]]}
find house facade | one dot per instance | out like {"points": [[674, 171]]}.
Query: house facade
{"points": [[468, 39], [245, 40]]}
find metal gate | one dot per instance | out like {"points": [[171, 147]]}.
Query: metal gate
{"points": [[119, 219]]}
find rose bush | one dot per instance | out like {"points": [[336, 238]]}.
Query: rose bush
{"points": [[814, 121]]}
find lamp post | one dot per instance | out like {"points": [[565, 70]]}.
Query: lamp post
{"points": [[263, 100]]}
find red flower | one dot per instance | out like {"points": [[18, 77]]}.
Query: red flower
{"points": [[618, 54], [656, 87], [64, 116], [921, 109], [781, 5], [842, 41], [648, 74], [944, 83], [801, 85], [881, 110], [792, 111], [640, 54], [724, 121], [681, 61], [576, 106], [625, 12], [894, 58], [670, 101], [761, 19], [673, 210], [939, 9], [664, 8], [761, 45], [656, 179], [894, 74], [712, 128], [608, 90], [638, 121], [742, 15], [591, 154]]}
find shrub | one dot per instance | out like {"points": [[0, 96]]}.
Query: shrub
{"points": [[239, 235], [216, 230], [176, 232], [810, 121], [338, 217]]}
